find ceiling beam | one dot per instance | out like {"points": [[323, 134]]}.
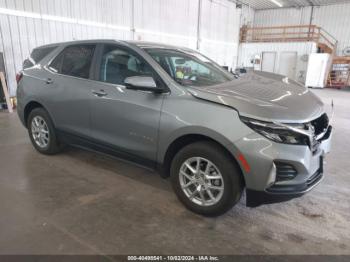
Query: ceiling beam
{"points": [[310, 2]]}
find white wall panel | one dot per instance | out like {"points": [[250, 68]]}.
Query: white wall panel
{"points": [[250, 50], [219, 32], [39, 22]]}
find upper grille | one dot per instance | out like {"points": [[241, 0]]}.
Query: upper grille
{"points": [[320, 124]]}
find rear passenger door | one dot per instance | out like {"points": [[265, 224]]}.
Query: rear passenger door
{"points": [[68, 89]]}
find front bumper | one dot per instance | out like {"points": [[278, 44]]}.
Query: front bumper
{"points": [[263, 183], [281, 193]]}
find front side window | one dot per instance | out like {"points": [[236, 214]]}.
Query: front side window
{"points": [[189, 68], [118, 64], [74, 61]]}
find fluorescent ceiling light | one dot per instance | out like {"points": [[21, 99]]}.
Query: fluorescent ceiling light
{"points": [[63, 19], [218, 42], [276, 3], [142, 31], [103, 25], [6, 11], [58, 18]]}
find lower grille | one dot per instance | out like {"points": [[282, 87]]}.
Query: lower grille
{"points": [[285, 171], [300, 188]]}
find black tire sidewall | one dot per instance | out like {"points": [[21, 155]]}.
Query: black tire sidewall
{"points": [[233, 183], [53, 146]]}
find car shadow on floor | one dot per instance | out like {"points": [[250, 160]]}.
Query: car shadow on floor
{"points": [[119, 166]]}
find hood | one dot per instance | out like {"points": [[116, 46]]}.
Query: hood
{"points": [[265, 96]]}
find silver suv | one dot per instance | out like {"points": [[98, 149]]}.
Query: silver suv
{"points": [[170, 108]]}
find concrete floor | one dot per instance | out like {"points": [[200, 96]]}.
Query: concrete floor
{"points": [[79, 202]]}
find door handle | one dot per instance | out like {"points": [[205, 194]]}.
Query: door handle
{"points": [[100, 93], [48, 81]]}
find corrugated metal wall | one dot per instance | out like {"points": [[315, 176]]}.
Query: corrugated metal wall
{"points": [[219, 31], [247, 15], [26, 24], [283, 16], [335, 19]]}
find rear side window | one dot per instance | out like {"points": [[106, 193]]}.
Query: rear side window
{"points": [[74, 61], [27, 63], [39, 53]]}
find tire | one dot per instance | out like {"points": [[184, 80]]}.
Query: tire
{"points": [[229, 187], [51, 145]]}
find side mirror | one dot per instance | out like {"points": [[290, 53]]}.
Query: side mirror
{"points": [[142, 83]]}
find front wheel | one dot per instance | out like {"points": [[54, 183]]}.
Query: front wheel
{"points": [[206, 179]]}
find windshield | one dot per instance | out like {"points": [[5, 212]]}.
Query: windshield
{"points": [[189, 68]]}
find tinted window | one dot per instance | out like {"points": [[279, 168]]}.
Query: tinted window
{"points": [[57, 62], [74, 61], [190, 68], [118, 64], [39, 53]]}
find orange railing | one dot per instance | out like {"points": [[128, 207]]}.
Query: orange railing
{"points": [[294, 33]]}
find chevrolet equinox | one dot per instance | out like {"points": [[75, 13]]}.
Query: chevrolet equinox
{"points": [[172, 109]]}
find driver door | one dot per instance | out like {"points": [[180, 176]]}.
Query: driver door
{"points": [[126, 120]]}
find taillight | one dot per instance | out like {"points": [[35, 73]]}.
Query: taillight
{"points": [[19, 77]]}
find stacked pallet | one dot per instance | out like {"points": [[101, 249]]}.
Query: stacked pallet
{"points": [[339, 76]]}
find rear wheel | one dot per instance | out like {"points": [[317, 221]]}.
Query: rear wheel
{"points": [[206, 179], [42, 132]]}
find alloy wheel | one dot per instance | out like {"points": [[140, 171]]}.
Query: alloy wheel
{"points": [[40, 131], [201, 181]]}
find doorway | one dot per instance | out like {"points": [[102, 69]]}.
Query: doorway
{"points": [[287, 64], [268, 62]]}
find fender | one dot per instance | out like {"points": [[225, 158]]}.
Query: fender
{"points": [[194, 130]]}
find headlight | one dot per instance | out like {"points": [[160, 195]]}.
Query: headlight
{"points": [[278, 133]]}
